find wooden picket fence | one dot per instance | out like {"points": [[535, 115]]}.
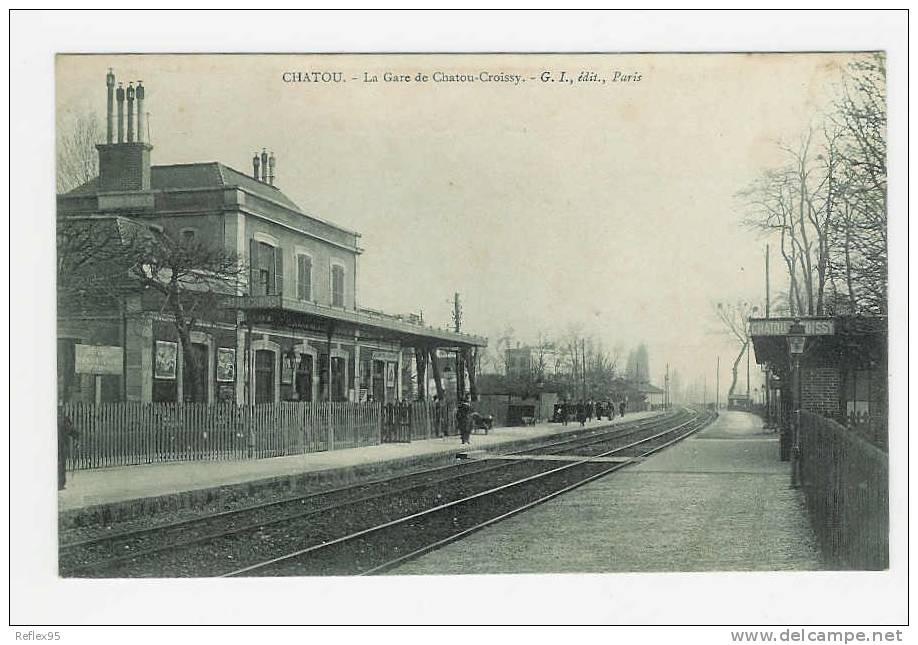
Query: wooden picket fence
{"points": [[430, 420], [846, 483], [125, 434]]}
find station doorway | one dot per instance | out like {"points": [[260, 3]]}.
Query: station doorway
{"points": [[264, 376], [304, 372], [194, 386]]}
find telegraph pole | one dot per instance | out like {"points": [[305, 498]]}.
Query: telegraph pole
{"points": [[767, 282], [460, 365], [717, 382], [666, 389]]}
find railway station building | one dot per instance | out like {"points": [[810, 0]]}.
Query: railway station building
{"points": [[293, 330]]}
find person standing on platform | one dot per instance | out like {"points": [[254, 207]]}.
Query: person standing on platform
{"points": [[565, 413], [621, 408], [65, 436], [463, 417], [581, 412], [611, 410]]}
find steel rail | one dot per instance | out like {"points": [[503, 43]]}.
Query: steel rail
{"points": [[454, 503], [458, 536]]}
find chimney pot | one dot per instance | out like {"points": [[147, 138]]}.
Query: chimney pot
{"points": [[264, 165], [140, 115], [255, 164], [119, 95], [110, 106], [130, 112], [271, 162]]}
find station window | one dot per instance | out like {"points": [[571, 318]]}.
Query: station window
{"points": [[304, 277], [337, 285], [264, 269], [188, 234]]}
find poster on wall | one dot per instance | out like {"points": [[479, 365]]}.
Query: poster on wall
{"points": [[390, 374], [226, 365], [164, 363], [287, 367]]}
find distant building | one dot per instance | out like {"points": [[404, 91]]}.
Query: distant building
{"points": [[527, 360]]}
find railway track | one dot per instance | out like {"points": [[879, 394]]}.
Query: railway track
{"points": [[207, 545], [383, 547]]}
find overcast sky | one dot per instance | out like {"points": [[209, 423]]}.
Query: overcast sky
{"points": [[544, 204]]}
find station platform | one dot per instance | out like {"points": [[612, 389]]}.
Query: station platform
{"points": [[718, 501], [130, 491]]}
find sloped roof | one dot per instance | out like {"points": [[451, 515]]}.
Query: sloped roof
{"points": [[211, 174]]}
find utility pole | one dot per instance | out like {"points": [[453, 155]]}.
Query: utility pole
{"points": [[767, 282], [583, 366], [717, 386], [666, 389], [460, 365]]}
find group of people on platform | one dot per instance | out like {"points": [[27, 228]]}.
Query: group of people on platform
{"points": [[584, 411]]}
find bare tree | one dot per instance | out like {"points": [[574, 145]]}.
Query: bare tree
{"points": [[193, 280], [77, 161], [734, 318], [860, 117], [115, 259], [827, 203]]}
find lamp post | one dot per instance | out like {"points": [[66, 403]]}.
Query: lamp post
{"points": [[796, 342]]}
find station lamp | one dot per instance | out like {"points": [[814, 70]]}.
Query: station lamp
{"points": [[796, 339]]}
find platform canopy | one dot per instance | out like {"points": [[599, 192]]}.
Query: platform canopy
{"points": [[292, 313], [838, 340]]}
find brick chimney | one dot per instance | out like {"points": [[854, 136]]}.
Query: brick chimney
{"points": [[124, 166]]}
